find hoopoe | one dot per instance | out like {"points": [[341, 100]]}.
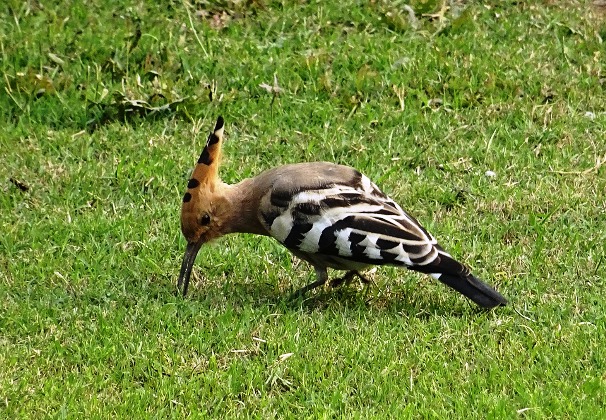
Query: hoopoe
{"points": [[329, 215]]}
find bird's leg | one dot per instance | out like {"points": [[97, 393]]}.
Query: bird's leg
{"points": [[321, 278], [347, 278]]}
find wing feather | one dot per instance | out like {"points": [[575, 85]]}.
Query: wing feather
{"points": [[355, 222]]}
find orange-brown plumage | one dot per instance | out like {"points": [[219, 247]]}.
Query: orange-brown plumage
{"points": [[212, 208]]}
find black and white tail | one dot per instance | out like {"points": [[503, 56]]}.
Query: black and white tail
{"points": [[456, 275], [474, 289]]}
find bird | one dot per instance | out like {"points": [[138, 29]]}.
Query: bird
{"points": [[330, 215]]}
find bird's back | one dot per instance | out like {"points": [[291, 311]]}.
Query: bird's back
{"points": [[306, 176]]}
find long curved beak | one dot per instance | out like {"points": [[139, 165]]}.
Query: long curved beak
{"points": [[188, 263]]}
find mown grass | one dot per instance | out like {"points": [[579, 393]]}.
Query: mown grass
{"points": [[91, 183]]}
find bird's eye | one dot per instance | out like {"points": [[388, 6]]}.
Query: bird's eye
{"points": [[205, 219]]}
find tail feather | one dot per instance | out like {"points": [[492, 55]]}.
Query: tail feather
{"points": [[474, 289], [456, 275]]}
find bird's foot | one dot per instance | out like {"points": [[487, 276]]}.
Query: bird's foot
{"points": [[299, 293], [347, 278]]}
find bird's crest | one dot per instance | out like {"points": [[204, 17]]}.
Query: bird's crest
{"points": [[198, 200], [207, 169]]}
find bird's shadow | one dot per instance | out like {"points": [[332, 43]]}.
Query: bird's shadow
{"points": [[403, 301]]}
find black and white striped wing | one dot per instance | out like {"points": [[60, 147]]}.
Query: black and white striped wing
{"points": [[353, 222]]}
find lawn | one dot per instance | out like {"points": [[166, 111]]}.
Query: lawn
{"points": [[486, 121]]}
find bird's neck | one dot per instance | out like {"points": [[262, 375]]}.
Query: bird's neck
{"points": [[243, 199]]}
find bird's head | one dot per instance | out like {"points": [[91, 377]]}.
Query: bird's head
{"points": [[204, 204]]}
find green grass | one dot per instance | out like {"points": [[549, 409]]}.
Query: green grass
{"points": [[90, 325]]}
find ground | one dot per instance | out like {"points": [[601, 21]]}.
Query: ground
{"points": [[486, 121]]}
